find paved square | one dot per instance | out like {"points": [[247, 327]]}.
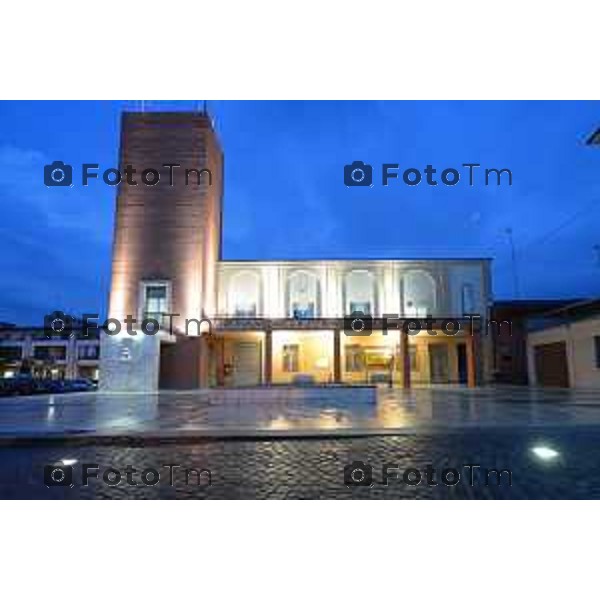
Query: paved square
{"points": [[276, 412]]}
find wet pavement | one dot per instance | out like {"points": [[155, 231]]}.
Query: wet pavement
{"points": [[283, 411], [543, 463], [294, 443]]}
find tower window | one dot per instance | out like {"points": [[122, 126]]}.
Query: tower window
{"points": [[156, 300]]}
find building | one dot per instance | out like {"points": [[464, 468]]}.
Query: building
{"points": [[28, 349], [511, 320], [240, 323], [563, 347]]}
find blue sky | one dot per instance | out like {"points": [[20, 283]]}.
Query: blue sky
{"points": [[285, 197]]}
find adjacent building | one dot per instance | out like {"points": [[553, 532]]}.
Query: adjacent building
{"points": [[243, 323], [563, 346], [30, 350], [509, 336]]}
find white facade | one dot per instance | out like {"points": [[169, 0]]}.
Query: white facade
{"points": [[333, 289]]}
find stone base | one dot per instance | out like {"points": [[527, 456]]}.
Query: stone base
{"points": [[129, 363]]}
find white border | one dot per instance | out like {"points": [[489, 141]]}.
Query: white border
{"points": [[354, 50], [329, 50], [300, 550]]}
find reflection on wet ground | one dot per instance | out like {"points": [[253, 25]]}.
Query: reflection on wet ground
{"points": [[297, 411], [544, 463], [548, 440]]}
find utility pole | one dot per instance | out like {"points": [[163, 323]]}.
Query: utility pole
{"points": [[513, 253]]}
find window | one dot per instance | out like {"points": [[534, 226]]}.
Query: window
{"points": [[50, 353], [246, 310], [418, 294], [420, 312], [359, 291], [244, 294], [597, 350], [355, 359], [302, 295], [468, 299], [88, 352], [303, 310], [155, 301], [10, 353], [363, 307], [290, 358]]}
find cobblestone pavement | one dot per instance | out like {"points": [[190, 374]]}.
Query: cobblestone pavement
{"points": [[565, 466], [285, 410]]}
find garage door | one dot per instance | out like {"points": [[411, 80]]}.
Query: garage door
{"points": [[551, 364]]}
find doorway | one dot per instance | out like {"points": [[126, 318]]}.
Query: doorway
{"points": [[551, 366], [461, 357], [246, 368], [438, 363]]}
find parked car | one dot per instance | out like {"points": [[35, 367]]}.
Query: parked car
{"points": [[79, 385], [53, 386], [21, 385], [25, 385], [6, 387]]}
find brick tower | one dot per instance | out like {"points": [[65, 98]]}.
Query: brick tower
{"points": [[167, 239]]}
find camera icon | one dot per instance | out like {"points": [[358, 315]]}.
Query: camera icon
{"points": [[58, 174], [57, 324], [358, 474], [357, 323], [58, 475], [358, 174]]}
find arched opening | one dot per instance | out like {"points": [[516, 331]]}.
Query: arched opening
{"points": [[359, 292], [244, 295], [418, 294], [303, 295]]}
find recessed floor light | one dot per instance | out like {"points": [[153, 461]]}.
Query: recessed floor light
{"points": [[545, 452]]}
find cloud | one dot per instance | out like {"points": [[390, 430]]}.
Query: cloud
{"points": [[55, 242]]}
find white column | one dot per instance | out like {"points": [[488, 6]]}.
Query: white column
{"points": [[272, 291]]}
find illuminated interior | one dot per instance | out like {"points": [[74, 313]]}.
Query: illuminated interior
{"points": [[302, 356]]}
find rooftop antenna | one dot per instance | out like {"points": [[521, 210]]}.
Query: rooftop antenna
{"points": [[206, 113]]}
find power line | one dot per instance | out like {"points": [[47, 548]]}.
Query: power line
{"points": [[545, 237], [568, 221]]}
